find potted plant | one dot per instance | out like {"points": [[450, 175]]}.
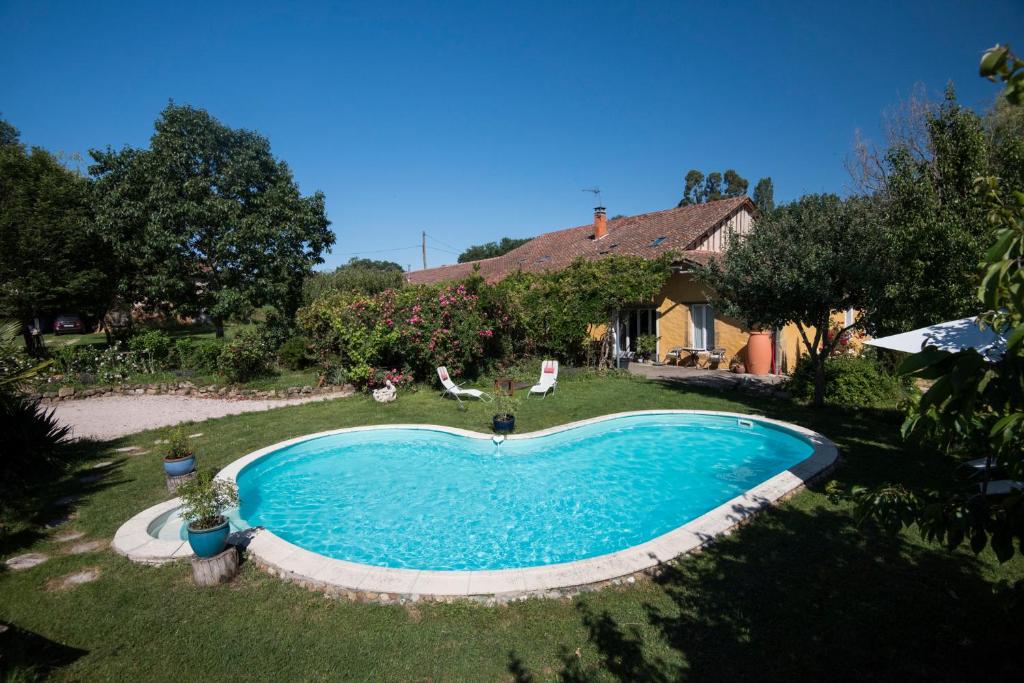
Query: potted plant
{"points": [[505, 419], [179, 455], [204, 500], [646, 346]]}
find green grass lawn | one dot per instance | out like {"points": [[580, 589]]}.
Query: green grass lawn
{"points": [[799, 594]]}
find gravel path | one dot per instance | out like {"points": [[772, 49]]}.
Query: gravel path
{"points": [[113, 416]]}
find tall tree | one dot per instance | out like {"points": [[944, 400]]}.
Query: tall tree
{"points": [[50, 256], [974, 404], [934, 224], [700, 188], [764, 195], [207, 219], [735, 185], [693, 192], [491, 249], [712, 187], [801, 263]]}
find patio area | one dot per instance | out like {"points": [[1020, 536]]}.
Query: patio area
{"points": [[720, 380]]}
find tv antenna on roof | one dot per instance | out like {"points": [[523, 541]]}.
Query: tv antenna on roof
{"points": [[597, 193]]}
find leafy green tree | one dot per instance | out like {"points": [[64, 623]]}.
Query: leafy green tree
{"points": [[974, 406], [802, 262], [50, 256], [713, 187], [9, 135], [693, 192], [700, 188], [363, 276], [491, 249], [735, 185], [372, 264], [207, 219], [764, 195]]}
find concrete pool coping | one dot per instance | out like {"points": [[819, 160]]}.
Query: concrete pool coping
{"points": [[317, 571]]}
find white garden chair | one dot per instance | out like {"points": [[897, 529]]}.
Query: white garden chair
{"points": [[548, 379], [455, 391]]}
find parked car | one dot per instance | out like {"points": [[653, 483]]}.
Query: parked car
{"points": [[68, 322]]}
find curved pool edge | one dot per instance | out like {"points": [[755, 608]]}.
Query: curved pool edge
{"points": [[361, 581], [320, 572]]}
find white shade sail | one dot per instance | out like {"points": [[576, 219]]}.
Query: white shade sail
{"points": [[954, 335]]}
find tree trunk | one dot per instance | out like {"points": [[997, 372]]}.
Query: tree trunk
{"points": [[819, 381], [218, 326]]}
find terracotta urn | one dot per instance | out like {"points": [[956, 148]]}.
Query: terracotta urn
{"points": [[759, 353]]}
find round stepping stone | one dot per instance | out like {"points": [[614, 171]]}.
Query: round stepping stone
{"points": [[26, 561], [126, 449], [74, 579], [64, 501], [69, 535], [195, 436], [160, 441], [86, 547], [90, 478]]}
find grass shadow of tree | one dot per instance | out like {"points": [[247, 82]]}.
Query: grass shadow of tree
{"points": [[802, 593]]}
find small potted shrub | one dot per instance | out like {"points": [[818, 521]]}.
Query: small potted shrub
{"points": [[179, 456], [646, 347], [505, 419], [203, 503]]}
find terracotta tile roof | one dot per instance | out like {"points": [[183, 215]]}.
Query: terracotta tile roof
{"points": [[648, 234]]}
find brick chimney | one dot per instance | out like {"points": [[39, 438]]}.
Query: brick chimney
{"points": [[600, 223]]}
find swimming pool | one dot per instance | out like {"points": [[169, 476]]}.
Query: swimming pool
{"points": [[429, 510], [421, 498]]}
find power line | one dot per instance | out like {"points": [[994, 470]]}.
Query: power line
{"points": [[443, 243], [447, 251], [377, 251]]}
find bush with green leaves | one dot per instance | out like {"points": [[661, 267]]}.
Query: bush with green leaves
{"points": [[178, 446], [205, 499], [200, 356], [34, 443], [294, 353], [469, 325], [245, 357], [157, 346], [851, 381]]}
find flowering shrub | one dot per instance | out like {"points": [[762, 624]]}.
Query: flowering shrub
{"points": [[465, 325], [415, 329], [112, 364]]}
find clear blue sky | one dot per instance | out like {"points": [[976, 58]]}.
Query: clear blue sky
{"points": [[478, 120]]}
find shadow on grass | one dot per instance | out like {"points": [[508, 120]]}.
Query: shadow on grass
{"points": [[30, 513], [28, 656], [801, 593]]}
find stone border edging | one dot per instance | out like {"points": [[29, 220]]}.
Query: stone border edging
{"points": [[186, 388], [361, 581]]}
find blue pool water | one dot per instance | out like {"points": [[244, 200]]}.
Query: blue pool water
{"points": [[427, 499]]}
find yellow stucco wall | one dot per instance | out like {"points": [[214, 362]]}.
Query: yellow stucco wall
{"points": [[673, 304]]}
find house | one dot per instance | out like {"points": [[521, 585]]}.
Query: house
{"points": [[683, 314]]}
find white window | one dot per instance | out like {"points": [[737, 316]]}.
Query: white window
{"points": [[702, 326], [849, 316]]}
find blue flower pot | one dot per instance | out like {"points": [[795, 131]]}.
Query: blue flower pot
{"points": [[176, 468], [504, 424], [209, 542]]}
